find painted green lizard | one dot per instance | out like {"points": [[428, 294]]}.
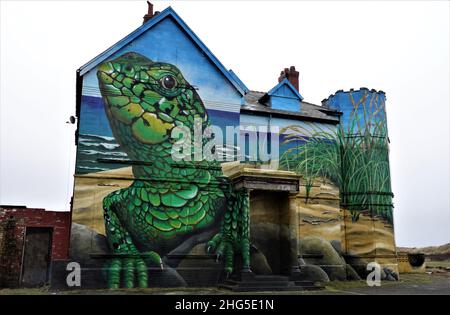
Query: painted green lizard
{"points": [[169, 201]]}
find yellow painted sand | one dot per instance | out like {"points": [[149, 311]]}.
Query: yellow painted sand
{"points": [[369, 236], [321, 216], [90, 189]]}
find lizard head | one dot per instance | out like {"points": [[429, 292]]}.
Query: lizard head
{"points": [[149, 98]]}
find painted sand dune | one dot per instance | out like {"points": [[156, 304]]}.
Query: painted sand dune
{"points": [[319, 216], [90, 189]]}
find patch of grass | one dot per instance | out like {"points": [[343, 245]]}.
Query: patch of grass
{"points": [[411, 279], [344, 285], [25, 291], [416, 278], [333, 287]]}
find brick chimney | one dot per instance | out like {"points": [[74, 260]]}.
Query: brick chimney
{"points": [[150, 13], [291, 74]]}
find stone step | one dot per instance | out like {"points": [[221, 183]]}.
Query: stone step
{"points": [[304, 283], [270, 278], [258, 283], [254, 283], [258, 288]]}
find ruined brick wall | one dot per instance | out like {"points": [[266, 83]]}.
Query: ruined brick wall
{"points": [[2, 239], [2, 251], [11, 254], [13, 225]]}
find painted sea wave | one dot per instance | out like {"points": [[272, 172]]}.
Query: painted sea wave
{"points": [[97, 153]]}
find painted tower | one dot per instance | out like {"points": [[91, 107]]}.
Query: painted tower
{"points": [[365, 190]]}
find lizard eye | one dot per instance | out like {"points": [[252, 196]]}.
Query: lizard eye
{"points": [[168, 82]]}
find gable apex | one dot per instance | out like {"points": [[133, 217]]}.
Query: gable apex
{"points": [[285, 89], [283, 96], [166, 13]]}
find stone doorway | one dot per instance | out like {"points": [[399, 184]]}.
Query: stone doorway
{"points": [[269, 228], [273, 217]]}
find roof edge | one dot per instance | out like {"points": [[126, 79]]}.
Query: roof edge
{"points": [[380, 92], [276, 87], [248, 109], [232, 78]]}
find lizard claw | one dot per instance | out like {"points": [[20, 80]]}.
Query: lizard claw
{"points": [[127, 270]]}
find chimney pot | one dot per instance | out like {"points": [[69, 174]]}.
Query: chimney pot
{"points": [[291, 74], [149, 14], [150, 8], [282, 76]]}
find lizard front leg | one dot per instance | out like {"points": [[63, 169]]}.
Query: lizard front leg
{"points": [[131, 264], [243, 201], [234, 236]]}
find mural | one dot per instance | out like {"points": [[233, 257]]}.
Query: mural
{"points": [[142, 217], [168, 201]]}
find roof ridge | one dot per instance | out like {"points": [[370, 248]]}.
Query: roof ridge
{"points": [[256, 91], [167, 12]]}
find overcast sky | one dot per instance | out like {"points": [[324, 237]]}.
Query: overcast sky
{"points": [[401, 48]]}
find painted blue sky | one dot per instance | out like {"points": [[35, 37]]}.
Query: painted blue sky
{"points": [[167, 42]]}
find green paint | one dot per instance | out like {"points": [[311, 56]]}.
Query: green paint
{"points": [[165, 205]]}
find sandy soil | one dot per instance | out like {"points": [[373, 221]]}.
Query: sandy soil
{"points": [[436, 253]]}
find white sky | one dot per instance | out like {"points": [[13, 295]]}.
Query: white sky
{"points": [[401, 48]]}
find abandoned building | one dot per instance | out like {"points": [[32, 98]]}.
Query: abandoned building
{"points": [[297, 194], [30, 240]]}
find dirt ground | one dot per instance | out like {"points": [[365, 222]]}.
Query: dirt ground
{"points": [[410, 284]]}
